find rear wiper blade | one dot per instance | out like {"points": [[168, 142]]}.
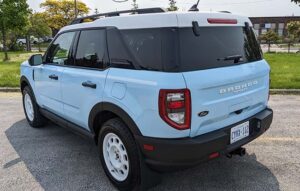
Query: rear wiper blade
{"points": [[236, 58]]}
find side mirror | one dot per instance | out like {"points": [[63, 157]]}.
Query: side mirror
{"points": [[36, 60]]}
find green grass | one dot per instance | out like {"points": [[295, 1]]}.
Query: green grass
{"points": [[10, 70], [285, 69]]}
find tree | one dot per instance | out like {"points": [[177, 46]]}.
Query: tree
{"points": [[13, 16], [38, 27], [173, 6], [270, 37], [290, 40], [293, 29], [135, 6], [59, 13], [296, 1]]}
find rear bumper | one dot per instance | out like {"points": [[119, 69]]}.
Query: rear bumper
{"points": [[174, 154]]}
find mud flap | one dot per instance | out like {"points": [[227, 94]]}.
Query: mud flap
{"points": [[149, 178]]}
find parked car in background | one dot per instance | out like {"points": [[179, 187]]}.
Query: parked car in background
{"points": [[33, 40], [47, 39], [21, 41]]}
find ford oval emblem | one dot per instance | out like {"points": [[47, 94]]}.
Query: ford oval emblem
{"points": [[203, 113]]}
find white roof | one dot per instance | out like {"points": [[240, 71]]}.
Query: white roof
{"points": [[160, 20]]}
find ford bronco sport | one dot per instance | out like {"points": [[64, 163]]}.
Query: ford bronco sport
{"points": [[155, 90]]}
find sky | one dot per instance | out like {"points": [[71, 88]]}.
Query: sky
{"points": [[250, 8]]}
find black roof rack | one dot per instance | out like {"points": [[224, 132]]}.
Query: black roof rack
{"points": [[225, 12], [117, 13]]}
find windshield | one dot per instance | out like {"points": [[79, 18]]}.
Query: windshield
{"points": [[180, 50]]}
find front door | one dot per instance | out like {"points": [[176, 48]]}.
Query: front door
{"points": [[48, 76]]}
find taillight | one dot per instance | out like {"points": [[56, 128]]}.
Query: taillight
{"points": [[175, 108]]}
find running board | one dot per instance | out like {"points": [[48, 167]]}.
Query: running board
{"points": [[67, 124]]}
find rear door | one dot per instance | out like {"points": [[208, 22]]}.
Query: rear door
{"points": [[228, 79], [84, 78], [48, 76]]}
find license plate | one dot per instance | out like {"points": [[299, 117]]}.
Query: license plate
{"points": [[239, 132]]}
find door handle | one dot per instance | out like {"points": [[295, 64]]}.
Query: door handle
{"points": [[89, 84], [53, 77]]}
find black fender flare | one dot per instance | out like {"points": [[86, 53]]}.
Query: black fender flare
{"points": [[106, 106], [24, 79]]}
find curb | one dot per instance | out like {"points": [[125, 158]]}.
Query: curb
{"points": [[285, 91], [7, 90], [272, 91]]}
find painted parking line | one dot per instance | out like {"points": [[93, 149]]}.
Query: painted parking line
{"points": [[279, 139]]}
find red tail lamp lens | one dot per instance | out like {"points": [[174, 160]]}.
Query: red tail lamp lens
{"points": [[175, 108]]}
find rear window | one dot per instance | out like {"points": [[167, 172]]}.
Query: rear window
{"points": [[179, 50], [217, 47]]}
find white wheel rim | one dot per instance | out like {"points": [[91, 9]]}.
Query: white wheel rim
{"points": [[116, 157], [28, 107]]}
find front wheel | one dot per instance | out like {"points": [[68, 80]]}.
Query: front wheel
{"points": [[31, 109], [119, 155]]}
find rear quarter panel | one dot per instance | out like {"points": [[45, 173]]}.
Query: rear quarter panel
{"points": [[136, 92]]}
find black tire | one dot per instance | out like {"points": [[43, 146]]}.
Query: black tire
{"points": [[38, 119], [118, 127]]}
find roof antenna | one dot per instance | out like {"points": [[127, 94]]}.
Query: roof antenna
{"points": [[195, 6]]}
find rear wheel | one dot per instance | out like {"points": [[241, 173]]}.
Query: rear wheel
{"points": [[31, 109], [119, 155]]}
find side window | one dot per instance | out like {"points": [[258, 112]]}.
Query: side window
{"points": [[119, 54], [59, 51], [91, 49], [146, 46]]}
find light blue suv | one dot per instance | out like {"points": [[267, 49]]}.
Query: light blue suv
{"points": [[156, 91]]}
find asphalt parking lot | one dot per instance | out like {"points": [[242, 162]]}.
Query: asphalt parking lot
{"points": [[53, 158]]}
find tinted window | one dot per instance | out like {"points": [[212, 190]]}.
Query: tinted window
{"points": [[144, 45], [91, 50], [179, 50], [59, 51], [119, 53], [154, 49], [214, 45]]}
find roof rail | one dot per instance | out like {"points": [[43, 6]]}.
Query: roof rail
{"points": [[117, 13], [225, 12]]}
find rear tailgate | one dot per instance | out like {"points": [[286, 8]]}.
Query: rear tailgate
{"points": [[228, 94]]}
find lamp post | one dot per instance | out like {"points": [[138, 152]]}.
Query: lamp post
{"points": [[76, 10]]}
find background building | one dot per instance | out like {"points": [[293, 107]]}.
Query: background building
{"points": [[278, 24]]}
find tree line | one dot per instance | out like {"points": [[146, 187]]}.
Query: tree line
{"points": [[18, 20], [292, 37]]}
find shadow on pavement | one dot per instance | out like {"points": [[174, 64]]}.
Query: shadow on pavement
{"points": [[61, 160]]}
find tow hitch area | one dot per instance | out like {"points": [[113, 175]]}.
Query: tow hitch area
{"points": [[240, 151]]}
